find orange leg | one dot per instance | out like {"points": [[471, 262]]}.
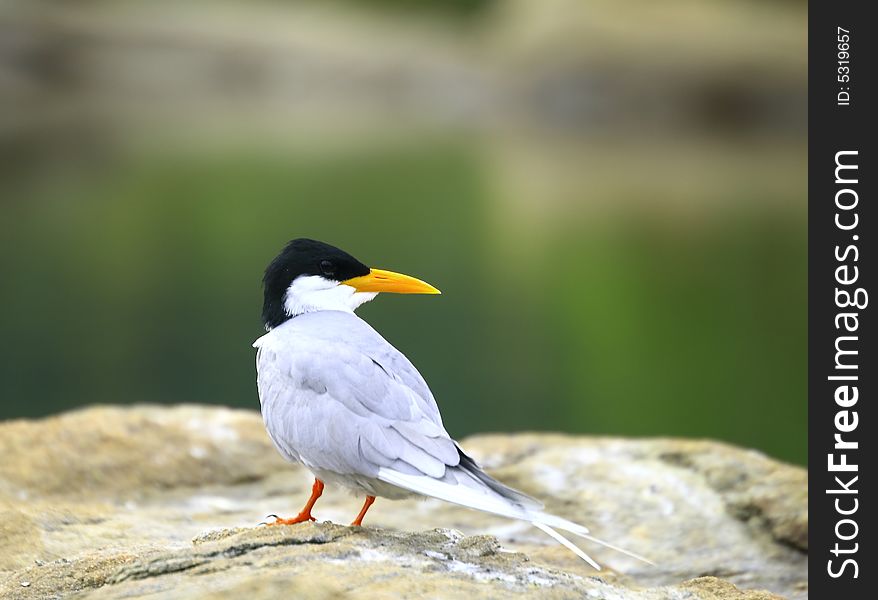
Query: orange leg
{"points": [[359, 520], [305, 513]]}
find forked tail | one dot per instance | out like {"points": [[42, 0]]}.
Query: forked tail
{"points": [[473, 492], [546, 523]]}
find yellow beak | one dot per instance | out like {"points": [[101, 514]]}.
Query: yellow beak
{"points": [[379, 280]]}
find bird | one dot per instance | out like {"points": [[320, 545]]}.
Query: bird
{"points": [[340, 400]]}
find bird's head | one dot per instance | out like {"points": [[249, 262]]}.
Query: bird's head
{"points": [[308, 276]]}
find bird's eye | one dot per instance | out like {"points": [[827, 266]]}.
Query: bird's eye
{"points": [[327, 268]]}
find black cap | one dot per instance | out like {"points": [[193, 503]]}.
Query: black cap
{"points": [[303, 257]]}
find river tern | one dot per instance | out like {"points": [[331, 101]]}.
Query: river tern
{"points": [[339, 399]]}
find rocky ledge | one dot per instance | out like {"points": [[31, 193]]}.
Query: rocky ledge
{"points": [[110, 502]]}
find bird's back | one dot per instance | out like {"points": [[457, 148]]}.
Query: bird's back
{"points": [[335, 339], [337, 397]]}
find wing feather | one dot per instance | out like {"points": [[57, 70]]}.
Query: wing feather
{"points": [[337, 396]]}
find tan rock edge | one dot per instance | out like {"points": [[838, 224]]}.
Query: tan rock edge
{"points": [[110, 502]]}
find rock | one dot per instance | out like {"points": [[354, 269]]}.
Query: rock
{"points": [[110, 502]]}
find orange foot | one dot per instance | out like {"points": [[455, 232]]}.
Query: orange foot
{"points": [[300, 518], [359, 520], [305, 515]]}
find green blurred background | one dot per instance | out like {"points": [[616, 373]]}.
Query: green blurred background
{"points": [[610, 194]]}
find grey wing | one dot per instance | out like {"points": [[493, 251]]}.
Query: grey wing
{"points": [[331, 406], [353, 404], [400, 369]]}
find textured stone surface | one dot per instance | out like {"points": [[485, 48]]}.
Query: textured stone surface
{"points": [[127, 502]]}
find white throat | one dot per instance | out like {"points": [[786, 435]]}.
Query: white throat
{"points": [[311, 293]]}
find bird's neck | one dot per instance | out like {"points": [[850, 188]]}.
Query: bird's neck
{"points": [[338, 298], [312, 296]]}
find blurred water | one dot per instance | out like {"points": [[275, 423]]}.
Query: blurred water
{"points": [[617, 255]]}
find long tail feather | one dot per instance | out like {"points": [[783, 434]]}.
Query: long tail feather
{"points": [[566, 543], [559, 523], [616, 548], [489, 500], [581, 531]]}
